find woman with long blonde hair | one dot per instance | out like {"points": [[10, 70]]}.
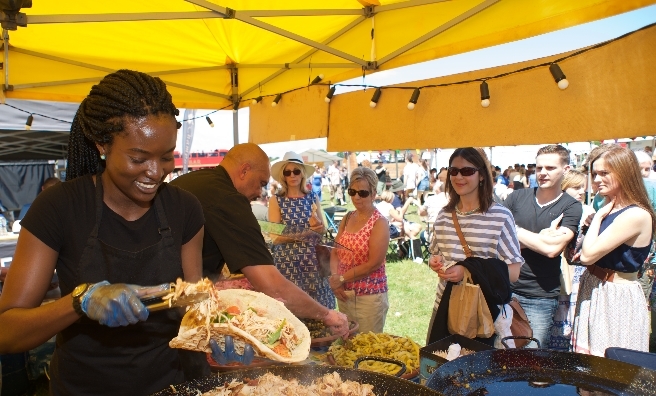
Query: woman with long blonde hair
{"points": [[611, 309], [573, 184]]}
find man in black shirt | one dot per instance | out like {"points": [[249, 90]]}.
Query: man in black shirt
{"points": [[534, 210], [233, 236]]}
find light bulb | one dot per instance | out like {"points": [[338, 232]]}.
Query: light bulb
{"points": [[276, 100], [485, 94], [563, 84], [375, 98], [413, 99], [256, 100], [330, 94], [209, 121]]}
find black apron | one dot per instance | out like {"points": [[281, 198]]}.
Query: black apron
{"points": [[92, 359]]}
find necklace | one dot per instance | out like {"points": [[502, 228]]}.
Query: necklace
{"points": [[467, 213]]}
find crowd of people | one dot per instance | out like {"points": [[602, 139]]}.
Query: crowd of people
{"points": [[582, 273], [585, 277]]}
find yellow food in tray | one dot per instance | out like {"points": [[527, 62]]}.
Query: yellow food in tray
{"points": [[403, 349]]}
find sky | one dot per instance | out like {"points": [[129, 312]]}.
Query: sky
{"points": [[206, 138]]}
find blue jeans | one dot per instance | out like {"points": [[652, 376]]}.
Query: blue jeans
{"points": [[540, 312]]}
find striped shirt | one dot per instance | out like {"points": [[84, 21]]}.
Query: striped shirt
{"points": [[489, 235]]}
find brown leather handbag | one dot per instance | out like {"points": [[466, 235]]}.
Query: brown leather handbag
{"points": [[520, 326]]}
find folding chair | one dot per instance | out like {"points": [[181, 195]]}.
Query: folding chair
{"points": [[334, 215]]}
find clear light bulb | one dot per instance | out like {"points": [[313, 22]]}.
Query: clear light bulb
{"points": [[274, 104], [372, 104], [485, 102], [327, 99], [411, 106], [254, 101], [563, 84]]}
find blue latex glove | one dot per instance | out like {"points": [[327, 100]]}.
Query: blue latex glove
{"points": [[230, 355], [113, 305]]}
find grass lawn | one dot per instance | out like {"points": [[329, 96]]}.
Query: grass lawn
{"points": [[411, 296]]}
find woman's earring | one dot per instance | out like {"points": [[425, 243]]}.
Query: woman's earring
{"points": [[480, 184], [102, 157]]}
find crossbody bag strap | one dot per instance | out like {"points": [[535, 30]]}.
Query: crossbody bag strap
{"points": [[465, 246]]}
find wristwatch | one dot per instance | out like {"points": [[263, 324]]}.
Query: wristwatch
{"points": [[77, 295], [341, 278]]}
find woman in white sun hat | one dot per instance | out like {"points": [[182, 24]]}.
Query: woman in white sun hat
{"points": [[298, 208]]}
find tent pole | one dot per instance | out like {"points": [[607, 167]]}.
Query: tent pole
{"points": [[234, 79], [5, 40], [235, 128]]}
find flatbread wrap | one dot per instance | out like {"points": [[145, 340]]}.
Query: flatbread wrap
{"points": [[248, 316]]}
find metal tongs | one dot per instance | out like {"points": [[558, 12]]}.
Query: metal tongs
{"points": [[152, 297]]}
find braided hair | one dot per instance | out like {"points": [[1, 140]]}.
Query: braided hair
{"points": [[102, 114]]}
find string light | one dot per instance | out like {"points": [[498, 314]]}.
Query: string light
{"points": [[485, 94], [413, 99], [375, 98], [555, 70], [28, 123], [558, 76], [330, 94], [209, 121]]}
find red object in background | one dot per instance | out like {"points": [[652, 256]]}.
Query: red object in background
{"points": [[201, 160]]}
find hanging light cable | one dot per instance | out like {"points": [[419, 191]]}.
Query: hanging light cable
{"points": [[485, 94], [256, 100], [330, 94], [276, 100], [558, 76], [209, 121], [28, 123], [413, 99], [375, 98]]}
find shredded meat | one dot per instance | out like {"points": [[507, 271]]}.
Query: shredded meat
{"points": [[268, 384]]}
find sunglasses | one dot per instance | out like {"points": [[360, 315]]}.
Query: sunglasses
{"points": [[288, 173], [466, 171], [361, 193]]}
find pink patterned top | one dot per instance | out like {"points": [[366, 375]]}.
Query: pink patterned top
{"points": [[375, 282]]}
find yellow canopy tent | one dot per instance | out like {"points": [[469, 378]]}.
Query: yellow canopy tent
{"points": [[220, 53]]}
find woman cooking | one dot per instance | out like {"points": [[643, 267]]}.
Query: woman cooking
{"points": [[112, 225], [359, 280]]}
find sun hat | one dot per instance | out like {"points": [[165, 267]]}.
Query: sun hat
{"points": [[293, 158], [396, 186]]}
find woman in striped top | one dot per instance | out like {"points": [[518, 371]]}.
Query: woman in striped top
{"points": [[488, 227]]}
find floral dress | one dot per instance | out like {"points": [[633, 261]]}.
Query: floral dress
{"points": [[297, 261]]}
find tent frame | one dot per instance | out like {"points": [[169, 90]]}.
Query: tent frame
{"points": [[217, 11]]}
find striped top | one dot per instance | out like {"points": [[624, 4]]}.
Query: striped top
{"points": [[489, 235]]}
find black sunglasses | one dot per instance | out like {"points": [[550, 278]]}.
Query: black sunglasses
{"points": [[288, 173], [466, 171], [361, 193]]}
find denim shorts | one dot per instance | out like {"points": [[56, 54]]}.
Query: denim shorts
{"points": [[423, 184]]}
